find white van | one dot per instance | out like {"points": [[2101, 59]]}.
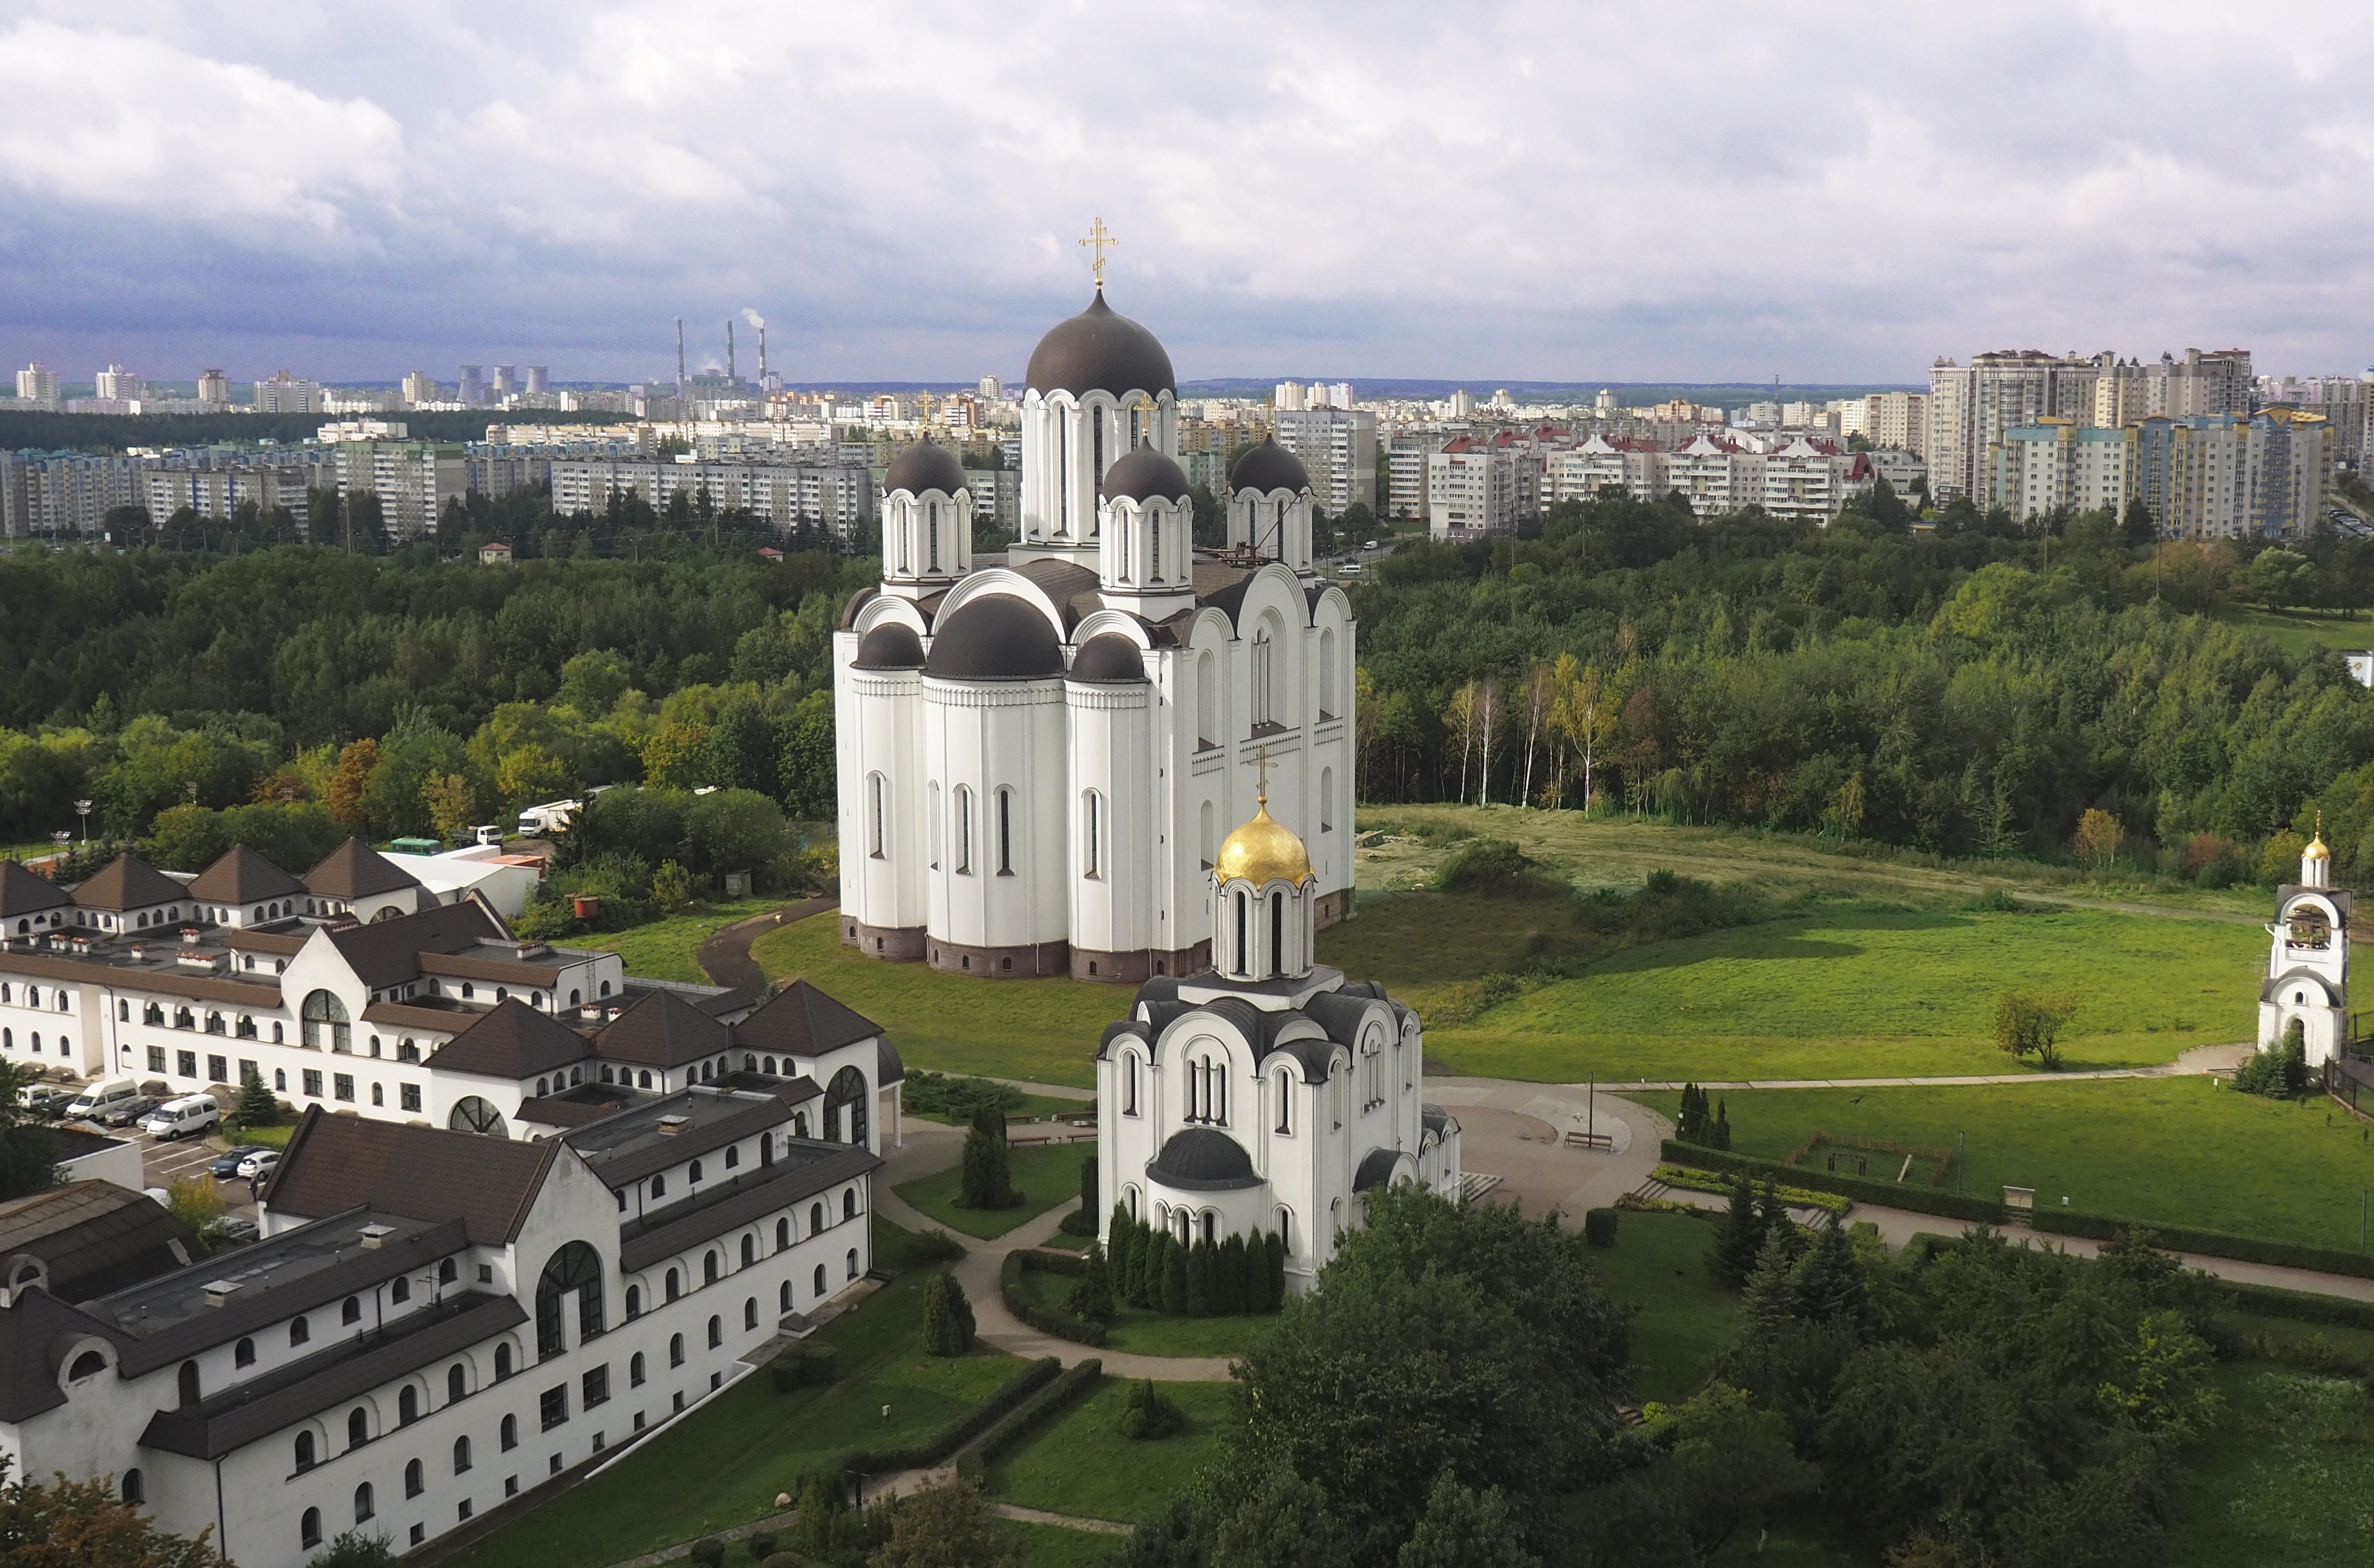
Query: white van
{"points": [[97, 1098], [489, 836], [181, 1118], [552, 816]]}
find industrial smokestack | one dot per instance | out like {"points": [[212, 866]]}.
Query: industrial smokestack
{"points": [[729, 348], [760, 322], [680, 356]]}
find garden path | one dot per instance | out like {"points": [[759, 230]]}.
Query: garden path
{"points": [[725, 954], [929, 1148], [2199, 1059]]}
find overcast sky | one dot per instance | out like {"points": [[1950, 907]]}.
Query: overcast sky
{"points": [[1648, 190]]}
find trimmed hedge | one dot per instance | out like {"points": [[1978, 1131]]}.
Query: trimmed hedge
{"points": [[2269, 1301], [1922, 1199], [2208, 1243], [1599, 1227], [1046, 1319], [935, 1449], [804, 1367], [1002, 1437]]}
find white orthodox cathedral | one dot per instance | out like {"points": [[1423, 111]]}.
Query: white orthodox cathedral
{"points": [[1037, 756]]}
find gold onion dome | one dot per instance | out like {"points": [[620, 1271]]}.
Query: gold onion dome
{"points": [[1262, 851], [2316, 849]]}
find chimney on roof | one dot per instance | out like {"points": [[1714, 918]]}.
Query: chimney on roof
{"points": [[375, 1234], [672, 1125], [219, 1292]]}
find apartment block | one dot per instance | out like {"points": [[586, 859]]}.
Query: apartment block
{"points": [[1582, 473], [838, 496], [284, 394], [1338, 447], [1470, 491]]}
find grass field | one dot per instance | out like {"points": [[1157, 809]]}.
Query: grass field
{"points": [[2284, 1480], [669, 949], [1657, 1264], [1052, 1546], [1159, 1334], [1081, 1465], [1048, 1175], [2299, 631], [1044, 1031], [723, 1465], [2179, 1151], [1860, 992]]}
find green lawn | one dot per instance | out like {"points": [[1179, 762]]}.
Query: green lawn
{"points": [[669, 949], [1657, 1264], [724, 1465], [1866, 992], [1080, 1465], [1144, 1333], [1052, 1546], [2284, 1480], [1043, 1031], [2299, 631], [1047, 1173], [2179, 1151]]}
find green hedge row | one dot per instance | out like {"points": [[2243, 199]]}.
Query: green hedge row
{"points": [[2268, 1301], [1002, 1437], [1046, 1319], [804, 1367], [2209, 1244], [935, 1449], [1862, 1189]]}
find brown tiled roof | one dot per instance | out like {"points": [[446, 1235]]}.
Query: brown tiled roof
{"points": [[387, 953], [477, 966], [661, 1030], [403, 1015], [280, 944], [513, 1042], [803, 1021], [354, 871], [96, 1237], [243, 876], [36, 1330], [129, 883], [337, 1163], [22, 893], [166, 979], [802, 1170]]}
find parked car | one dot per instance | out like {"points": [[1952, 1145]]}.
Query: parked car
{"points": [[46, 1104], [97, 1099], [124, 1112], [259, 1164], [226, 1169], [180, 1118]]}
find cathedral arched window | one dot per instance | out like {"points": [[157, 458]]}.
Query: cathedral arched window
{"points": [[932, 542], [906, 559], [1327, 708], [1154, 544], [1092, 833], [1285, 1082], [877, 814], [1204, 834], [1005, 832], [964, 830], [1264, 650], [1244, 935], [932, 819], [1129, 1196], [1277, 934], [1129, 1083], [1286, 1229], [1207, 701], [1327, 800]]}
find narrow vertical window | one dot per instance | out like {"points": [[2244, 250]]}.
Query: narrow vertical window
{"points": [[1006, 833], [1098, 451], [964, 829], [1277, 934], [933, 554], [1244, 936], [1284, 1103], [1091, 835], [931, 819], [878, 807], [1129, 1083], [1327, 800]]}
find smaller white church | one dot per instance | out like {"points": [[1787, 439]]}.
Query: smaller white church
{"points": [[1267, 1092], [2307, 964]]}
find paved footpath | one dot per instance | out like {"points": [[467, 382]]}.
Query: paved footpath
{"points": [[2198, 1061], [725, 954]]}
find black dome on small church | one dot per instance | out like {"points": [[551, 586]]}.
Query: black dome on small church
{"points": [[893, 645], [1201, 1159], [926, 465], [1101, 350], [1269, 467], [994, 637], [1108, 656], [1144, 472]]}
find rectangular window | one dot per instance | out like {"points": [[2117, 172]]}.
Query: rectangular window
{"points": [[553, 1405], [1091, 827], [247, 1070], [408, 1096], [597, 1386], [344, 1086], [313, 1082], [217, 1069], [185, 1064], [156, 1058]]}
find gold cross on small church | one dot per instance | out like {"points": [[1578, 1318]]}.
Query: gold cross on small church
{"points": [[1099, 240], [1263, 796]]}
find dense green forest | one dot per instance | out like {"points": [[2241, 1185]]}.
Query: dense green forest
{"points": [[1970, 687], [1967, 687]]}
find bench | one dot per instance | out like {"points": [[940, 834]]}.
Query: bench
{"points": [[1603, 1142]]}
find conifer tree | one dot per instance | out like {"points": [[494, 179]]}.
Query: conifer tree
{"points": [[948, 1317], [1174, 1276], [1274, 1245], [1741, 1237], [1770, 1303], [1777, 1222], [1228, 1284], [1830, 1283], [1199, 1280], [986, 1181], [256, 1107], [1092, 1297], [1121, 1250], [1719, 1134]]}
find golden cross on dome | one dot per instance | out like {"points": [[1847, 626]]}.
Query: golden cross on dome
{"points": [[1263, 796], [1099, 240]]}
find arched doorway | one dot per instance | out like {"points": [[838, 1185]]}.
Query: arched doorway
{"points": [[847, 1088], [575, 1269]]}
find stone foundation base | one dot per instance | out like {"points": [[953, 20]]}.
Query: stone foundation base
{"points": [[1022, 963], [1334, 909], [900, 944], [1135, 968]]}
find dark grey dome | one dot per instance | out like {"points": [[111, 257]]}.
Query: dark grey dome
{"points": [[1376, 1169], [1108, 656], [893, 645], [926, 465], [1100, 351], [1269, 467], [1202, 1159], [994, 637], [1144, 472]]}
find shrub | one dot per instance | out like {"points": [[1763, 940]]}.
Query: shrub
{"points": [[953, 1096], [1092, 1297], [934, 1245], [1492, 865], [1599, 1227], [762, 1546], [986, 1181], [2029, 1023], [948, 1317], [671, 887], [256, 1107], [1020, 1301], [708, 1551], [1077, 1222], [1150, 1414], [2281, 1071]]}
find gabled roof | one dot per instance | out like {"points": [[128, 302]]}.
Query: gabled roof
{"points": [[387, 953], [36, 1328], [95, 1236], [802, 1170], [243, 876], [22, 893], [337, 1163], [129, 883], [354, 871], [803, 1021], [513, 1042], [663, 1030]]}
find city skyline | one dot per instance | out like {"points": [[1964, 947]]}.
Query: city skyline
{"points": [[1562, 194]]}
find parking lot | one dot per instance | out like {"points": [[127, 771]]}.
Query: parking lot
{"points": [[162, 1164]]}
